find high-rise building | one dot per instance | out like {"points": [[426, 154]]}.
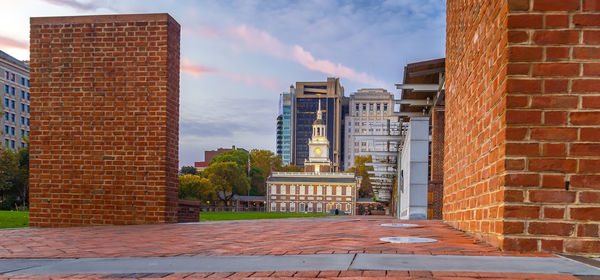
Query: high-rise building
{"points": [[308, 95], [371, 113], [284, 125], [14, 84]]}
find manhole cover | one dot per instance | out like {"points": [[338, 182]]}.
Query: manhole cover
{"points": [[409, 240], [399, 225]]}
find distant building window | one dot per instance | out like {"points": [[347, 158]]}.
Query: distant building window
{"points": [[273, 207], [292, 189], [12, 91], [338, 190], [273, 189], [22, 145], [22, 107], [22, 81], [6, 129], [22, 94], [22, 132], [319, 207], [6, 88], [6, 114], [378, 107], [319, 190], [282, 207], [292, 207], [12, 117], [7, 75], [310, 207], [27, 82], [12, 144], [282, 189], [329, 190], [302, 192], [357, 107], [12, 104], [385, 107], [27, 121], [22, 120], [310, 190], [6, 142], [302, 207], [348, 191], [27, 108], [12, 131], [364, 107], [12, 77]]}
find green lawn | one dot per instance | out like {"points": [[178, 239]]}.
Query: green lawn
{"points": [[14, 219], [227, 216]]}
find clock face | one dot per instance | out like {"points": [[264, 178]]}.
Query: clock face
{"points": [[318, 151]]}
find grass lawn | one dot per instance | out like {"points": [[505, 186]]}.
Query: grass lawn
{"points": [[14, 219], [227, 216]]}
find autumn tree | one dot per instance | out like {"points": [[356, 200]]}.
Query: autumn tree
{"points": [[227, 179], [360, 168], [194, 187], [266, 160]]}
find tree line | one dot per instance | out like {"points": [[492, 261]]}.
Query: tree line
{"points": [[14, 178], [228, 174]]}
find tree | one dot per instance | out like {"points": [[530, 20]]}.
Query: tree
{"points": [[227, 179], [237, 156], [257, 181], [188, 170], [194, 187], [14, 177], [290, 168], [361, 169], [266, 160]]}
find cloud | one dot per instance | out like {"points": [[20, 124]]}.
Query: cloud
{"points": [[12, 43], [90, 6], [262, 41], [196, 70]]}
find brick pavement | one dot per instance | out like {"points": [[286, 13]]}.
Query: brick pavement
{"points": [[256, 237]]}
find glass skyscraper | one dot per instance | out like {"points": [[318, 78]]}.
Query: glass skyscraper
{"points": [[284, 125]]}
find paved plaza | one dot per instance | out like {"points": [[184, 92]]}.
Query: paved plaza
{"points": [[297, 248]]}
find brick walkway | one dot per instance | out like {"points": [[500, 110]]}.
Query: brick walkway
{"points": [[257, 237]]}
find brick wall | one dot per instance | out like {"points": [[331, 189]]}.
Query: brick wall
{"points": [[523, 123], [104, 120], [436, 179], [188, 211]]}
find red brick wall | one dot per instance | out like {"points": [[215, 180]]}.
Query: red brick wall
{"points": [[546, 100], [188, 211], [436, 180], [104, 120]]}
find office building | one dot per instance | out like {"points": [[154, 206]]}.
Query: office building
{"points": [[308, 96], [371, 113], [14, 85], [284, 125]]}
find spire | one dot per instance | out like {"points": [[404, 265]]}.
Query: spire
{"points": [[319, 113]]}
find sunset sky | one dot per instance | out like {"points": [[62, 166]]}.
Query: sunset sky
{"points": [[238, 56]]}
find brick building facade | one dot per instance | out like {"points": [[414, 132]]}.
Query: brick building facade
{"points": [[104, 119], [522, 124]]}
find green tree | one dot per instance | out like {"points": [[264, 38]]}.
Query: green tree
{"points": [[361, 169], [14, 177], [194, 187], [257, 181], [227, 179], [237, 156], [188, 170], [290, 168]]}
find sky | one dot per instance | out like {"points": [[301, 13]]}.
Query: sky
{"points": [[238, 56]]}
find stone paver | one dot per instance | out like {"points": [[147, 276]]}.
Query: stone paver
{"points": [[255, 237]]}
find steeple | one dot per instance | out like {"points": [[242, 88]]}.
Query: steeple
{"points": [[319, 113]]}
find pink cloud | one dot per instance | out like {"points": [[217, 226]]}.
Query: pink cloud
{"points": [[262, 41], [12, 43], [196, 70]]}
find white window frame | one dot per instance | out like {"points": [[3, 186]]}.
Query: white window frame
{"points": [[320, 207], [310, 207], [273, 207], [282, 207], [302, 207], [292, 207]]}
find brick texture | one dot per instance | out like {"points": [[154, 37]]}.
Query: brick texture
{"points": [[522, 136], [436, 180], [104, 121]]}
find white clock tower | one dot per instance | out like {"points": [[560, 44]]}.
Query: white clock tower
{"points": [[318, 146]]}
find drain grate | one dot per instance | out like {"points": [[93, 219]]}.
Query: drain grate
{"points": [[407, 240], [399, 225]]}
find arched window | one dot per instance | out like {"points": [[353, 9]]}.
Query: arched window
{"points": [[319, 207], [302, 207], [310, 208]]}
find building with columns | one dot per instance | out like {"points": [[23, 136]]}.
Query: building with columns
{"points": [[317, 190]]}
